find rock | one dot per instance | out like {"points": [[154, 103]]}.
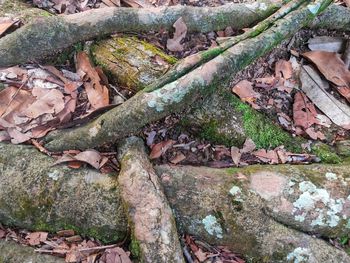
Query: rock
{"points": [[343, 148], [131, 62], [11, 252], [117, 100]]}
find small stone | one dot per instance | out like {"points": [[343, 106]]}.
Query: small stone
{"points": [[11, 75]]}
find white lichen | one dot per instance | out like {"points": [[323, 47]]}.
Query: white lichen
{"points": [[236, 192], [331, 176], [212, 226], [93, 131], [313, 8], [299, 255], [55, 175], [318, 200]]}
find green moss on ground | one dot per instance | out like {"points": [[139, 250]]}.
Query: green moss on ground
{"points": [[209, 131], [325, 153], [262, 131]]}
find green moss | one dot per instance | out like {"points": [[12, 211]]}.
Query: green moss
{"points": [[134, 248], [262, 131], [170, 59], [209, 131], [325, 153]]}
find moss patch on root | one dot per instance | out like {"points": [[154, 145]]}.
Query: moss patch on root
{"points": [[262, 131], [325, 153]]}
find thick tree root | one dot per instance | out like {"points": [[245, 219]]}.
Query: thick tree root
{"points": [[151, 220], [258, 211], [46, 36], [146, 107], [11, 252]]}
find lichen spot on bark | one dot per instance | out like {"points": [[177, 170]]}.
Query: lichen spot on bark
{"points": [[54, 175], [93, 131], [318, 205], [313, 8], [331, 176], [236, 192], [268, 184], [299, 255], [212, 226]]}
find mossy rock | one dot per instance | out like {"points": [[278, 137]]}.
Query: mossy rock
{"points": [[131, 62], [21, 10]]}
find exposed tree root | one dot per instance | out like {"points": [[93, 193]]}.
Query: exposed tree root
{"points": [[150, 217], [175, 96], [45, 36], [256, 211]]}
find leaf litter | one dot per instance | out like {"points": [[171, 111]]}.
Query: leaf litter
{"points": [[68, 245]]}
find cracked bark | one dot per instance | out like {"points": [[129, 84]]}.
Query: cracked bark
{"points": [[150, 218]]}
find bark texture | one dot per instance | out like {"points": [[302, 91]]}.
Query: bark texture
{"points": [[150, 217], [46, 36], [145, 107], [259, 211], [35, 195], [246, 209], [11, 252]]}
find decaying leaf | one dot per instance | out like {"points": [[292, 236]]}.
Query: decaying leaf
{"points": [[315, 89], [36, 238], [5, 24], [331, 66], [91, 157], [178, 158], [244, 89], [326, 43], [160, 148], [97, 93], [304, 112], [174, 44], [235, 155], [283, 69]]}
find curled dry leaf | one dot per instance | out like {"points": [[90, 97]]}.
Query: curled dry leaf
{"points": [[5, 24], [244, 89], [304, 112], [331, 66], [174, 44], [91, 157], [97, 93], [160, 148], [283, 69]]}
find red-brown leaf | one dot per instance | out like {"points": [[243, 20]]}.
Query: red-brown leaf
{"points": [[160, 148]]}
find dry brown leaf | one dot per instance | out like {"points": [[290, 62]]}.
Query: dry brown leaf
{"points": [[91, 157], [283, 69], [160, 148], [5, 24], [36, 238], [269, 156], [98, 94], [244, 89], [66, 233], [178, 158], [235, 155], [331, 66], [174, 44], [304, 112], [248, 146]]}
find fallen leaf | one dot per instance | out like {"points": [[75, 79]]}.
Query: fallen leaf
{"points": [[66, 233], [235, 155], [244, 89], [178, 158], [326, 43], [36, 238], [248, 146], [160, 148], [283, 69], [304, 112], [331, 66], [174, 44], [91, 157], [269, 156], [5, 24], [315, 89], [98, 94]]}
